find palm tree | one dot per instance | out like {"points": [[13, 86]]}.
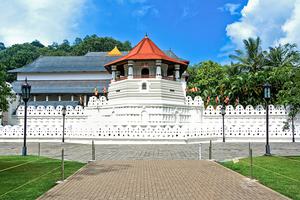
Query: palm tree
{"points": [[282, 55], [251, 59]]}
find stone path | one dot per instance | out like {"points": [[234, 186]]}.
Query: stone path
{"points": [[82, 152], [158, 179]]}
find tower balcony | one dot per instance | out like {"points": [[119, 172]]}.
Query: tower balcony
{"points": [[170, 78]]}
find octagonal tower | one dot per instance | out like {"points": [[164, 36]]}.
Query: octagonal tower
{"points": [[146, 75]]}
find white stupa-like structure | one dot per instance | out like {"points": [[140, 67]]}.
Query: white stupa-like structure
{"points": [[147, 88]]}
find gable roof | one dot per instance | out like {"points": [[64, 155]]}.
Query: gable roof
{"points": [[147, 50], [90, 62], [62, 86], [67, 64]]}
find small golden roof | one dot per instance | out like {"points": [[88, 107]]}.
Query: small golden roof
{"points": [[114, 52]]}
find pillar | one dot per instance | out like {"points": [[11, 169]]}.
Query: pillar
{"points": [[158, 69], [72, 97], [59, 98], [130, 69], [34, 98], [47, 97], [177, 68], [113, 73], [84, 100]]}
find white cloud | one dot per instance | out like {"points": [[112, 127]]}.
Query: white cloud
{"points": [[231, 8], [274, 21], [46, 20], [145, 10]]}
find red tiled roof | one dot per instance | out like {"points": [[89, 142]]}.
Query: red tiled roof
{"points": [[147, 50]]}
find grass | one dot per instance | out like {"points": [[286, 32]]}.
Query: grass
{"points": [[281, 174], [29, 170]]}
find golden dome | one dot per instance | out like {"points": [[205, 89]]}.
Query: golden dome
{"points": [[114, 52]]}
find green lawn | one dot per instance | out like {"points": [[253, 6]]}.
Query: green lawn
{"points": [[29, 170], [282, 174]]}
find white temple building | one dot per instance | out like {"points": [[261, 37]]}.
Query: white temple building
{"points": [[146, 102]]}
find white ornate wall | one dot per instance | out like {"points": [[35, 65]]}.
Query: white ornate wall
{"points": [[187, 123]]}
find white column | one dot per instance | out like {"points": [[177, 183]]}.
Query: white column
{"points": [[47, 98], [84, 100], [34, 98], [72, 97], [158, 69], [125, 70], [130, 69], [113, 73], [59, 98], [177, 68]]}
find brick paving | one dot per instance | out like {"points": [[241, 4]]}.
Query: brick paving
{"points": [[158, 179]]}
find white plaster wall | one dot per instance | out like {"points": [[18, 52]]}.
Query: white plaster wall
{"points": [[65, 76], [170, 123]]}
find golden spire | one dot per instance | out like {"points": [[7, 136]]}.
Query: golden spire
{"points": [[114, 52]]}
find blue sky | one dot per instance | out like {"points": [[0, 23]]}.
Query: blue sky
{"points": [[196, 30], [193, 29]]}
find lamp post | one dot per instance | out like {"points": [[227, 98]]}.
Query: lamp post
{"points": [[64, 117], [267, 97], [293, 127], [223, 112], [26, 96]]}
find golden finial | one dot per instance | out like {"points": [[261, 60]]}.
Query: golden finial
{"points": [[114, 52]]}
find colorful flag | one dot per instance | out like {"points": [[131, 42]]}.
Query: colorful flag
{"points": [[226, 101], [96, 92], [217, 99], [237, 101], [208, 100], [104, 90]]}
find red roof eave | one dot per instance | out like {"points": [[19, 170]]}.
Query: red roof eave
{"points": [[146, 50]]}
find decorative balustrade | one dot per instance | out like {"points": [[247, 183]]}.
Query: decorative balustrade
{"points": [[241, 123]]}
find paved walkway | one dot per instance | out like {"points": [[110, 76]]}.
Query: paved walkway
{"points": [[82, 152], [159, 179]]}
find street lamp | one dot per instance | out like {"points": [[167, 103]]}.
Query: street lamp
{"points": [[223, 112], [64, 117], [293, 127], [267, 97], [26, 96]]}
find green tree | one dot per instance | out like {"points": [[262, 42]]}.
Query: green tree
{"points": [[5, 91], [207, 77], [37, 43], [282, 55], [2, 46], [17, 56], [95, 43], [251, 59]]}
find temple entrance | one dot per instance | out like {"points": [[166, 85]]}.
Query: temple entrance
{"points": [[145, 73]]}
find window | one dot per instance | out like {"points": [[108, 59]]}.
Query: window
{"points": [[145, 73], [144, 86]]}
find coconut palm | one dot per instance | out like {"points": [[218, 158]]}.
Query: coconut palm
{"points": [[282, 55], [251, 59]]}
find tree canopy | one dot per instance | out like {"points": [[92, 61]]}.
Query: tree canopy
{"points": [[242, 81]]}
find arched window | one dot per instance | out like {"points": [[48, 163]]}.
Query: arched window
{"points": [[144, 86], [145, 73]]}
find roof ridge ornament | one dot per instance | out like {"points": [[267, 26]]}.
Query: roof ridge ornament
{"points": [[114, 52]]}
